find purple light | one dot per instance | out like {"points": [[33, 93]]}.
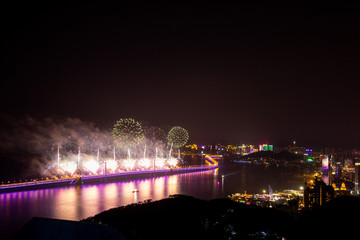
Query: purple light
{"points": [[129, 173]]}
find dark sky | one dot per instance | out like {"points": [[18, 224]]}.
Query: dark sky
{"points": [[227, 73]]}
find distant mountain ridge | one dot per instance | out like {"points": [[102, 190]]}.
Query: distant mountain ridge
{"points": [[283, 155]]}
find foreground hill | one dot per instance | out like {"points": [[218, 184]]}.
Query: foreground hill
{"points": [[184, 217]]}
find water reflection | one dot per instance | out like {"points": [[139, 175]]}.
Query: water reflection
{"points": [[135, 196], [76, 203], [144, 188], [111, 191], [172, 184], [126, 191], [64, 200], [159, 189]]}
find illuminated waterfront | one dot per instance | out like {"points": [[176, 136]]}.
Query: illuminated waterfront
{"points": [[76, 203]]}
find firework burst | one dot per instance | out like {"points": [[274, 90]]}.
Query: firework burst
{"points": [[127, 132], [178, 137]]}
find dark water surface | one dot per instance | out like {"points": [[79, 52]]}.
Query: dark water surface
{"points": [[76, 203]]}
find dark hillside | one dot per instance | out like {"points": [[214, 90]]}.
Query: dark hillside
{"points": [[338, 219], [183, 217]]}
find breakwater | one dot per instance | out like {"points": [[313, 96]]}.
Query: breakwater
{"points": [[100, 178]]}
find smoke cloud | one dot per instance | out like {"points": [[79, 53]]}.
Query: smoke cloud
{"points": [[29, 145]]}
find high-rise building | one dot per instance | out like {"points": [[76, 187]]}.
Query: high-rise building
{"points": [[357, 178], [326, 168], [317, 194]]}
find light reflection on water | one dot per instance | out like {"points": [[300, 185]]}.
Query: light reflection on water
{"points": [[76, 203]]}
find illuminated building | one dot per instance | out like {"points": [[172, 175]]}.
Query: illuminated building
{"points": [[194, 146], [357, 178], [326, 169], [325, 163], [266, 147], [341, 190], [338, 169], [231, 149], [247, 149], [317, 194]]}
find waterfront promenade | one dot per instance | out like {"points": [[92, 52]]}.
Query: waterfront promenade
{"points": [[210, 161]]}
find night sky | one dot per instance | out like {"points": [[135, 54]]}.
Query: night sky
{"points": [[227, 73]]}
